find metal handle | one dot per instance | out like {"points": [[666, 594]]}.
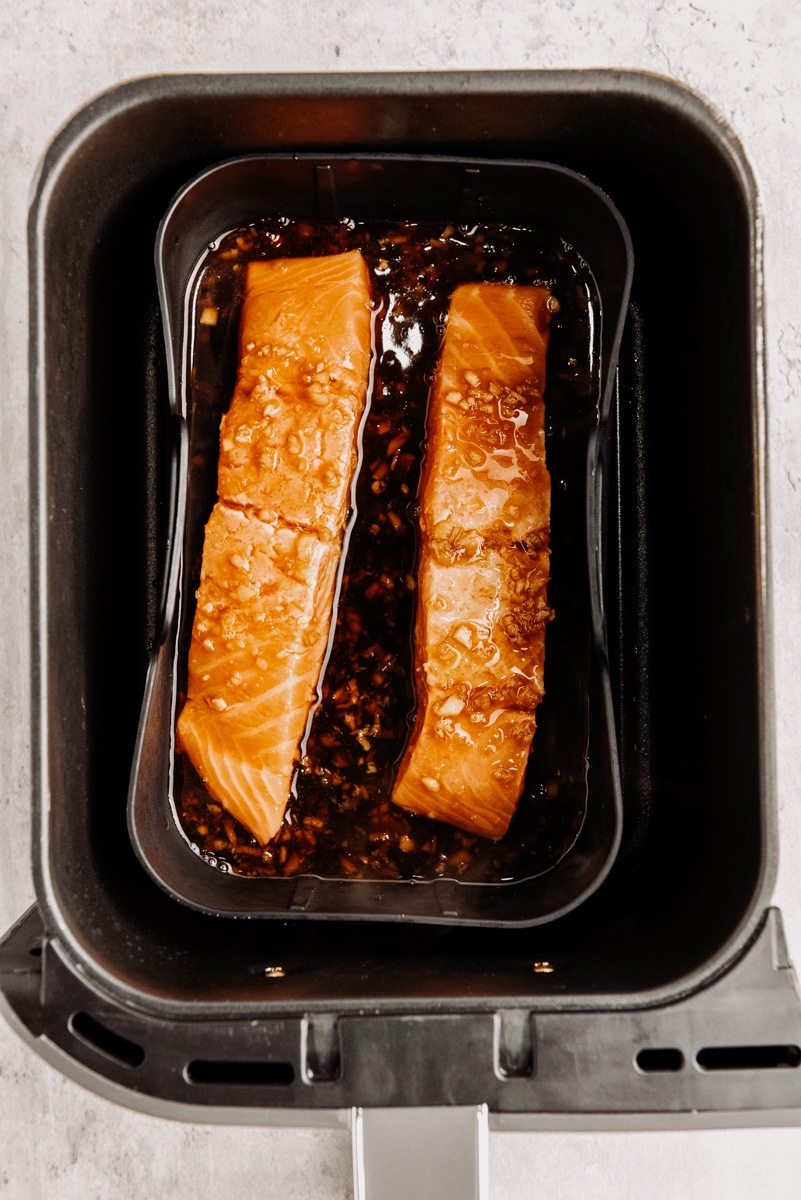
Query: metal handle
{"points": [[428, 1153]]}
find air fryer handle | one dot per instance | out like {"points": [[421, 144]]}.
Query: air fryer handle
{"points": [[428, 1153]]}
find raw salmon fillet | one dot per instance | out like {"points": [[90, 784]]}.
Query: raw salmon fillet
{"points": [[272, 544], [484, 563]]}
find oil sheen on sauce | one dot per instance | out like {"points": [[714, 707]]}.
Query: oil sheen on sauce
{"points": [[340, 822]]}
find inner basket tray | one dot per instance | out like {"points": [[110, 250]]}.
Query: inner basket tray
{"points": [[570, 217]]}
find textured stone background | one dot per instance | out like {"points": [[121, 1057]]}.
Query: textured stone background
{"points": [[60, 1143]]}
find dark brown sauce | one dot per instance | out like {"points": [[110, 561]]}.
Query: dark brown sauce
{"points": [[340, 822]]}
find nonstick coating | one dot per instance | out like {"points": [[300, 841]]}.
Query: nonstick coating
{"points": [[684, 581]]}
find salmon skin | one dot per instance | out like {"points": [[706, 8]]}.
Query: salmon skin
{"points": [[273, 541], [484, 563]]}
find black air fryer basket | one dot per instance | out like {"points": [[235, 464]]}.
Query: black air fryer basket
{"points": [[665, 998]]}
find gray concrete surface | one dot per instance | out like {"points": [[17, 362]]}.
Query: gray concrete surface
{"points": [[60, 1143]]}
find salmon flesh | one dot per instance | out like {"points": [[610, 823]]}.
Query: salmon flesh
{"points": [[484, 565], [273, 541]]}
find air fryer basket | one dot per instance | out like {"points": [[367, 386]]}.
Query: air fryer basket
{"points": [[676, 952]]}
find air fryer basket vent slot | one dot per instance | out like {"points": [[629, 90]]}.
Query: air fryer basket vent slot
{"points": [[657, 1061], [218, 1071], [747, 1058], [108, 1043]]}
